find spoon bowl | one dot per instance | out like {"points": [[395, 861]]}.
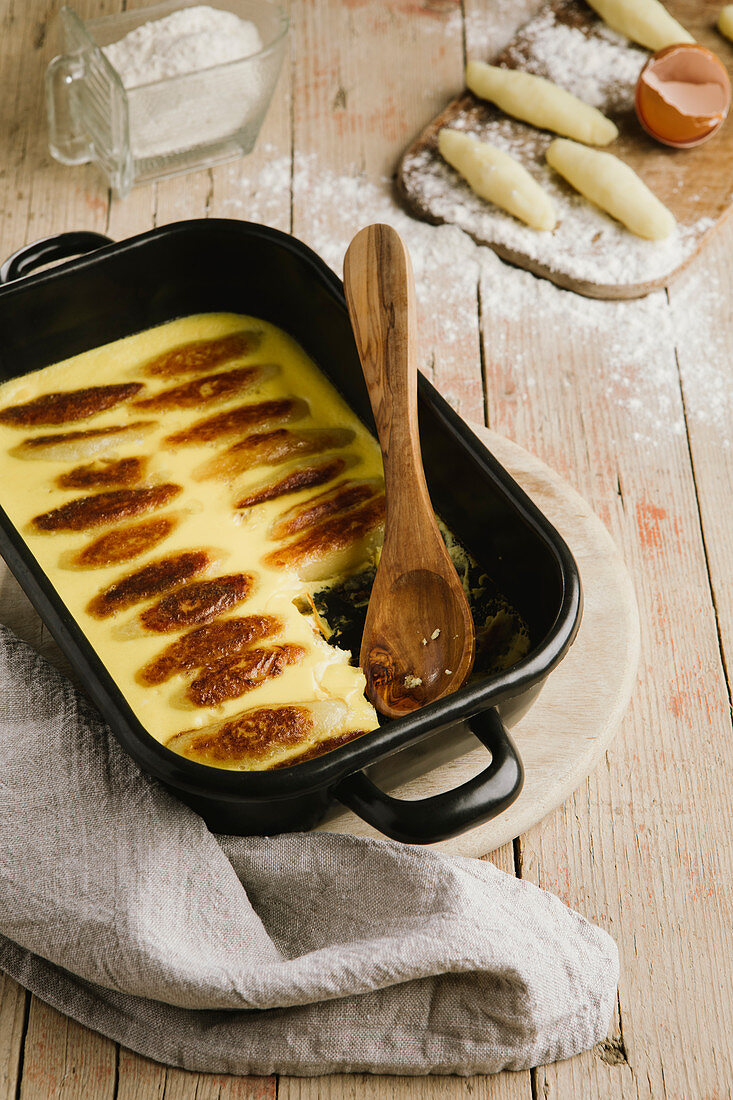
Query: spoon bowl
{"points": [[408, 668]]}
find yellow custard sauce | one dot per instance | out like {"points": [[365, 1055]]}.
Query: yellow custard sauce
{"points": [[209, 475]]}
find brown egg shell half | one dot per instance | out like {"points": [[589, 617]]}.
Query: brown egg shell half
{"points": [[671, 124]]}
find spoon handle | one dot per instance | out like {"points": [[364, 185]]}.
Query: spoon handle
{"points": [[417, 595], [380, 294]]}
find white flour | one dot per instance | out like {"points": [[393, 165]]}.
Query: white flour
{"points": [[204, 106], [184, 42]]}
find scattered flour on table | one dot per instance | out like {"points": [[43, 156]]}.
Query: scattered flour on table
{"points": [[703, 331], [630, 343], [206, 107], [587, 245], [487, 30]]}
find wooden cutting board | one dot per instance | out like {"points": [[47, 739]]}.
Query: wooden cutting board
{"points": [[565, 734], [587, 252]]}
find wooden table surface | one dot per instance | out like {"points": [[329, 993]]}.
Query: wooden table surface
{"points": [[641, 425]]}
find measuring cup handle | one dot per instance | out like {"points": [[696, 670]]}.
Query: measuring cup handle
{"points": [[68, 140]]}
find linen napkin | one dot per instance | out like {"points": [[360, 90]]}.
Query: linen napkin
{"points": [[298, 954]]}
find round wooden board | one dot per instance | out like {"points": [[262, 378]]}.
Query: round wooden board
{"points": [[567, 730]]}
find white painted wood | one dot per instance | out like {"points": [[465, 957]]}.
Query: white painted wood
{"points": [[643, 844]]}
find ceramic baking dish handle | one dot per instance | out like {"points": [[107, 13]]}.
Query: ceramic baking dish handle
{"points": [[46, 251], [428, 820]]}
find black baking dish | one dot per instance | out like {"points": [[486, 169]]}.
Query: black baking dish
{"points": [[217, 265]]}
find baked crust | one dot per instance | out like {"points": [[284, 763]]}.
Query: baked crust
{"points": [[154, 578], [209, 521], [125, 543], [197, 356], [69, 405], [104, 472], [102, 509]]}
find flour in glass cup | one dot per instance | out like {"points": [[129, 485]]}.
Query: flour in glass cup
{"points": [[169, 118]]}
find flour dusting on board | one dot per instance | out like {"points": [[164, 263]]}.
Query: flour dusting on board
{"points": [[587, 246], [601, 70]]}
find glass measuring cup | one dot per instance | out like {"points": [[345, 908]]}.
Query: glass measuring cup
{"points": [[167, 126]]}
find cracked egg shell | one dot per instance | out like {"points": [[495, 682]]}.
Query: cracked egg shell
{"points": [[683, 95]]}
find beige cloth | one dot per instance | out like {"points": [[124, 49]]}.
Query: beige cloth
{"points": [[298, 954]]}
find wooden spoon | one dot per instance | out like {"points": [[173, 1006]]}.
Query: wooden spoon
{"points": [[419, 638]]}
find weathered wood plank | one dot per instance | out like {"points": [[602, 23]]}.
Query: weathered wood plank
{"points": [[363, 1087], [213, 1086], [141, 1079], [64, 1060], [257, 188], [13, 1004], [351, 122], [640, 848], [703, 329], [38, 197]]}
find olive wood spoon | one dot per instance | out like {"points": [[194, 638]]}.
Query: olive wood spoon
{"points": [[419, 639]]}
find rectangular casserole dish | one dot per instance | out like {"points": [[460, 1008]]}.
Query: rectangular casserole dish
{"points": [[218, 265]]}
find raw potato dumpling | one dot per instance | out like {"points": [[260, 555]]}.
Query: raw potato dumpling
{"points": [[644, 21], [496, 176], [612, 185], [539, 102], [725, 21]]}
